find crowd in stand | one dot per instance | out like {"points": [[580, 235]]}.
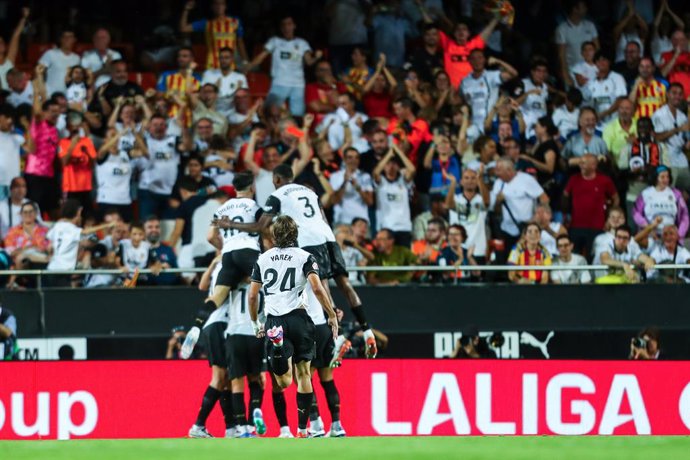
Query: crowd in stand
{"points": [[428, 142]]}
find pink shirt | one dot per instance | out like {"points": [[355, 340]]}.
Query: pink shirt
{"points": [[45, 136]]}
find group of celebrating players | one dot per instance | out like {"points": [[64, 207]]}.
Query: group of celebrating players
{"points": [[273, 309]]}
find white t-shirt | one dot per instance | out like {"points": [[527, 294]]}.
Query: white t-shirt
{"points": [[472, 216], [227, 87], [4, 68], [603, 243], [481, 94], [565, 121], [604, 92], [64, 238], [534, 105], [336, 130], [132, 257], [573, 36], [520, 196], [302, 204], [660, 204], [287, 63], [589, 71], [93, 61], [25, 97], [660, 46], [352, 205], [10, 145], [76, 93], [664, 120], [160, 171], [283, 273], [222, 313], [220, 176], [57, 64], [113, 178], [243, 210], [548, 241], [393, 204], [569, 276]]}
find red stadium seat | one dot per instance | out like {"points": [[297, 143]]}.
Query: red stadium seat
{"points": [[259, 84], [146, 80], [126, 50], [200, 51], [80, 47], [36, 50]]}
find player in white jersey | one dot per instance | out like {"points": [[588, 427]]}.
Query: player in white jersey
{"points": [[212, 337], [284, 272], [315, 237]]}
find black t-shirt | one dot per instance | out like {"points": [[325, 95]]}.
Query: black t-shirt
{"points": [[186, 211], [540, 155], [425, 63], [368, 161], [202, 184], [128, 91]]}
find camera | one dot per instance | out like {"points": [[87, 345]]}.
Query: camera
{"points": [[639, 342]]}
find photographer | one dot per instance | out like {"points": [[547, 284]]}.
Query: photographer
{"points": [[471, 346], [8, 335], [646, 345]]}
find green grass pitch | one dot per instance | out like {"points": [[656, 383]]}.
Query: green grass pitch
{"points": [[380, 448]]}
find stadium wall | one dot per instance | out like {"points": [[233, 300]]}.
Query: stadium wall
{"points": [[68, 400]]}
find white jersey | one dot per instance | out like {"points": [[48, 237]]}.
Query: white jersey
{"points": [[220, 176], [220, 314], [352, 205], [534, 105], [314, 308], [604, 92], [481, 94], [64, 238], [472, 216], [113, 178], [660, 204], [565, 121], [548, 241], [76, 94], [26, 96], [287, 66], [283, 273], [132, 257], [94, 61], [302, 204], [243, 210], [227, 87], [664, 120], [57, 64], [393, 204], [239, 322], [589, 71], [160, 171]]}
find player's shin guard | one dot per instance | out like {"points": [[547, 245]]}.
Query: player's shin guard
{"points": [[333, 399], [361, 318], [303, 404], [209, 400], [226, 406], [256, 396], [314, 409], [280, 408], [239, 409], [278, 360]]}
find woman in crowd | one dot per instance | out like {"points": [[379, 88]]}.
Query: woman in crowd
{"points": [[544, 156], [529, 251], [442, 160], [664, 201]]}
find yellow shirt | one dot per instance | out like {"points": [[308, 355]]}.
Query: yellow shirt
{"points": [[616, 137]]}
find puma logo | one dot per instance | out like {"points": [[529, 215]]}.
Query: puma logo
{"points": [[528, 339], [302, 411]]}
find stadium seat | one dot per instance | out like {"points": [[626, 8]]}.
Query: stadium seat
{"points": [[146, 80], [126, 50], [200, 51], [259, 84], [36, 50], [80, 47]]}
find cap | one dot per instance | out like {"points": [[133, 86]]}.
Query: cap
{"points": [[662, 168], [229, 190]]}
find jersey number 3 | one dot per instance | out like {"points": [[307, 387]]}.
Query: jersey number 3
{"points": [[310, 211], [287, 284]]}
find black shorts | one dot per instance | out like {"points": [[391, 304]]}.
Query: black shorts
{"points": [[320, 253], [337, 261], [324, 347], [299, 335], [213, 340], [245, 355], [237, 265]]}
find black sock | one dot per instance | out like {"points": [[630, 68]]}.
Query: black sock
{"points": [[333, 398], [278, 360], [303, 403], [256, 397], [226, 406], [358, 311], [209, 400], [203, 314], [280, 408], [239, 409], [313, 409]]}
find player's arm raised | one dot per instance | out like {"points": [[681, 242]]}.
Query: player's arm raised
{"points": [[325, 301]]}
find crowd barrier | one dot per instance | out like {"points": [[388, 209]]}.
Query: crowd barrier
{"points": [[159, 399]]}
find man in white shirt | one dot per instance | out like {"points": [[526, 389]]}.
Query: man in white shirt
{"points": [[288, 55], [533, 99], [345, 117], [20, 87], [622, 258], [570, 35], [354, 190], [226, 80], [605, 89], [566, 258], [58, 61], [10, 145], [671, 126], [98, 59], [585, 70]]}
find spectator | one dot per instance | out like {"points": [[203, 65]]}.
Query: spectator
{"points": [[202, 185], [176, 84], [566, 258], [378, 92], [101, 259], [390, 254], [663, 201], [243, 118], [204, 106], [354, 190], [514, 195], [428, 58], [437, 210], [21, 90], [648, 93], [629, 68], [8, 52], [408, 131], [442, 162], [456, 254], [662, 28], [26, 242], [79, 90], [321, 96], [360, 233], [545, 158], [345, 118], [390, 30], [674, 64], [585, 140], [533, 100], [226, 80], [605, 89], [620, 132], [587, 196], [586, 70], [670, 126], [118, 232], [571, 34], [471, 346], [118, 86], [615, 217], [159, 171], [481, 87], [10, 146], [650, 341], [39, 171], [190, 201], [354, 254], [77, 156], [529, 252], [356, 75], [8, 335], [470, 204], [621, 257], [220, 32], [504, 114], [346, 30], [668, 250], [427, 249], [263, 174], [161, 254], [565, 117], [378, 148], [57, 62], [134, 252], [550, 230], [288, 56], [99, 59], [10, 208], [393, 187]]}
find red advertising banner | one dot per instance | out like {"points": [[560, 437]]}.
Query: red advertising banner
{"points": [[159, 399]]}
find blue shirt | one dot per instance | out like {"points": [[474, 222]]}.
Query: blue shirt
{"points": [[164, 254], [438, 183]]}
